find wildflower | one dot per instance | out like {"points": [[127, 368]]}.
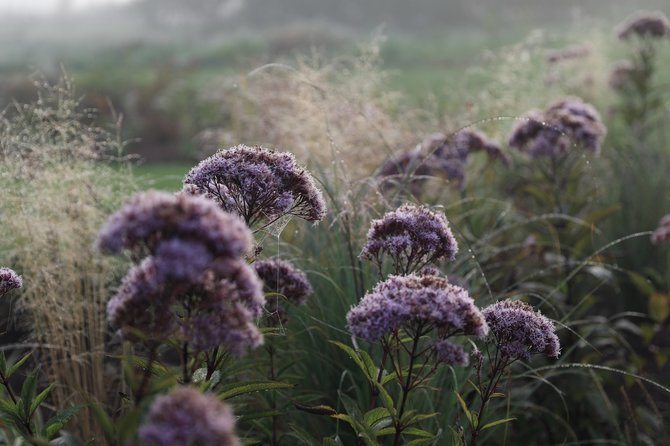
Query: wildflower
{"points": [[218, 310], [282, 278], [519, 330], [662, 232], [402, 301], [623, 75], [645, 25], [142, 305], [568, 53], [193, 282], [9, 280], [412, 237], [442, 155], [147, 220], [565, 123], [187, 417], [450, 353], [450, 153], [221, 322], [412, 167], [258, 184]]}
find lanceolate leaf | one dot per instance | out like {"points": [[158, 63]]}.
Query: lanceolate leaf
{"points": [[233, 390], [467, 412], [56, 423], [497, 422]]}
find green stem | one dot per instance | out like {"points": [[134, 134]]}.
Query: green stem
{"points": [[406, 388], [273, 376]]}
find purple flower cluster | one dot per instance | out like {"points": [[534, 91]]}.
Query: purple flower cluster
{"points": [[441, 155], [9, 280], [645, 25], [564, 124], [519, 330], [282, 279], [258, 184], [194, 280], [412, 237], [187, 417], [662, 232], [450, 353], [147, 220], [403, 301]]}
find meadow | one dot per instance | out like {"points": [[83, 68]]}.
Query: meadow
{"points": [[449, 239]]}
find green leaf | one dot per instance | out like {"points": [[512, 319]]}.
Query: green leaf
{"points": [[388, 378], [352, 353], [17, 365], [497, 422], [415, 418], [104, 420], [464, 406], [643, 284], [371, 370], [474, 386], [375, 415], [417, 432], [56, 423], [420, 441], [351, 406], [39, 399], [327, 441], [28, 391], [3, 362], [344, 417], [320, 409], [386, 431], [233, 390]]}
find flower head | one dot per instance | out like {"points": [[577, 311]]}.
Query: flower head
{"points": [[194, 282], [187, 417], [519, 330], [450, 353], [441, 155], [283, 279], [9, 280], [147, 220], [645, 25], [411, 236], [553, 132], [142, 304], [401, 301], [258, 184], [662, 232], [223, 306], [449, 154]]}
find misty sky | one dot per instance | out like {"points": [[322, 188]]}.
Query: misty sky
{"points": [[47, 6]]}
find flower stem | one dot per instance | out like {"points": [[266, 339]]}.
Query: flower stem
{"points": [[406, 388]]}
